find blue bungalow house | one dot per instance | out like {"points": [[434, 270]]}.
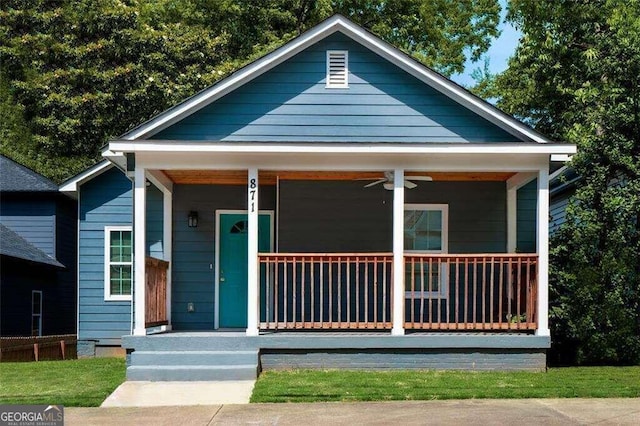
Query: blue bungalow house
{"points": [[332, 204], [37, 254]]}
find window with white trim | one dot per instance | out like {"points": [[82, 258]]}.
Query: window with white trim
{"points": [[426, 231], [337, 69], [118, 262], [36, 313]]}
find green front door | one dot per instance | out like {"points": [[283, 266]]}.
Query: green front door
{"points": [[232, 284]]}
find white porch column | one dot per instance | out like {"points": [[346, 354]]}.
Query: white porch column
{"points": [[398, 253], [139, 246], [167, 242], [543, 252], [253, 275]]}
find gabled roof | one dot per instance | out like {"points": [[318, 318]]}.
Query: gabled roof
{"points": [[337, 23], [70, 186], [13, 245], [15, 177]]}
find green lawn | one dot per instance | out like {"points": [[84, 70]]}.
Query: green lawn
{"points": [[73, 383], [335, 385]]}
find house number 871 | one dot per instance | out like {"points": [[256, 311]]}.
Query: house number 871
{"points": [[252, 193]]}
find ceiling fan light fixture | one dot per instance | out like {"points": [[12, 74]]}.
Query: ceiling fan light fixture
{"points": [[388, 186]]}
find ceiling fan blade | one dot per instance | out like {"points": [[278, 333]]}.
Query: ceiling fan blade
{"points": [[374, 178], [375, 183], [409, 185], [420, 178]]}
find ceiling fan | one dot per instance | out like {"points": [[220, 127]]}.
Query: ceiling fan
{"points": [[387, 181]]}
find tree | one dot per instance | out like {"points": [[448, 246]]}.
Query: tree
{"points": [[80, 72], [576, 77]]}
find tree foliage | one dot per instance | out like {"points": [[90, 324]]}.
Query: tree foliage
{"points": [[576, 77], [78, 72]]}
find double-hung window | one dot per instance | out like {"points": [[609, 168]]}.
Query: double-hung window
{"points": [[118, 262], [36, 313], [426, 231]]}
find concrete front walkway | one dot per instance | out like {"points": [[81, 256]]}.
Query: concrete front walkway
{"points": [[163, 394], [469, 412]]}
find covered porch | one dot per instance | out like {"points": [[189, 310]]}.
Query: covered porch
{"points": [[299, 282]]}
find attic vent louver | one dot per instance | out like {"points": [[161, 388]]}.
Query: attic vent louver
{"points": [[337, 69]]}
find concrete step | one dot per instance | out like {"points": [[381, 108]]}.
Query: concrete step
{"points": [[196, 342], [213, 358], [160, 373]]}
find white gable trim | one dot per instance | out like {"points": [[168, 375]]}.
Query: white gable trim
{"points": [[70, 187], [315, 34]]}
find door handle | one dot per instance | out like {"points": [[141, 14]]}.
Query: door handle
{"points": [[221, 276]]}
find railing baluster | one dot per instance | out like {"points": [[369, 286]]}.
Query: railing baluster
{"points": [[493, 264], [500, 317], [519, 283], [484, 291], [466, 291], [330, 291], [475, 290], [321, 290], [384, 292], [413, 292], [357, 291], [339, 291], [348, 290], [375, 291], [456, 300], [294, 272], [430, 289], [366, 292], [312, 306], [422, 287]]}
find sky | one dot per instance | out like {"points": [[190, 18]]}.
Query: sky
{"points": [[499, 52]]}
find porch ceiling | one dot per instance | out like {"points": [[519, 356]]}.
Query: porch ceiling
{"points": [[269, 177]]}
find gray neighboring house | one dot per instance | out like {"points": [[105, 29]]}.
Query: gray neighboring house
{"points": [[37, 254]]}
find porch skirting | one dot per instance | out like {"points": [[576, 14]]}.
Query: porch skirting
{"points": [[406, 359], [234, 355]]}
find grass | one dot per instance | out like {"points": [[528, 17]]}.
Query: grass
{"points": [[72, 383], [335, 385]]}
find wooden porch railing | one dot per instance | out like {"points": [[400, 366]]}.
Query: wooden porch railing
{"points": [[325, 291], [471, 291], [156, 292]]}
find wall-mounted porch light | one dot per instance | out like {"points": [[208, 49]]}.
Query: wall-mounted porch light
{"points": [[193, 219]]}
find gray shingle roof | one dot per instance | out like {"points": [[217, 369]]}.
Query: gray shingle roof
{"points": [[15, 177], [13, 245]]}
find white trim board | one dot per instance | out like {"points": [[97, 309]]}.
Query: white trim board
{"points": [[216, 230], [339, 147], [329, 26]]}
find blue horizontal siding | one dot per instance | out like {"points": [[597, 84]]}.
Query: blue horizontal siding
{"points": [[34, 219], [558, 210], [154, 222], [291, 103], [527, 200], [104, 201]]}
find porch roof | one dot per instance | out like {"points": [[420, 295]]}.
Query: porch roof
{"points": [[177, 155]]}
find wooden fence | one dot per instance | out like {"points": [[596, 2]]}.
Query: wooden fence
{"points": [[13, 349]]}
